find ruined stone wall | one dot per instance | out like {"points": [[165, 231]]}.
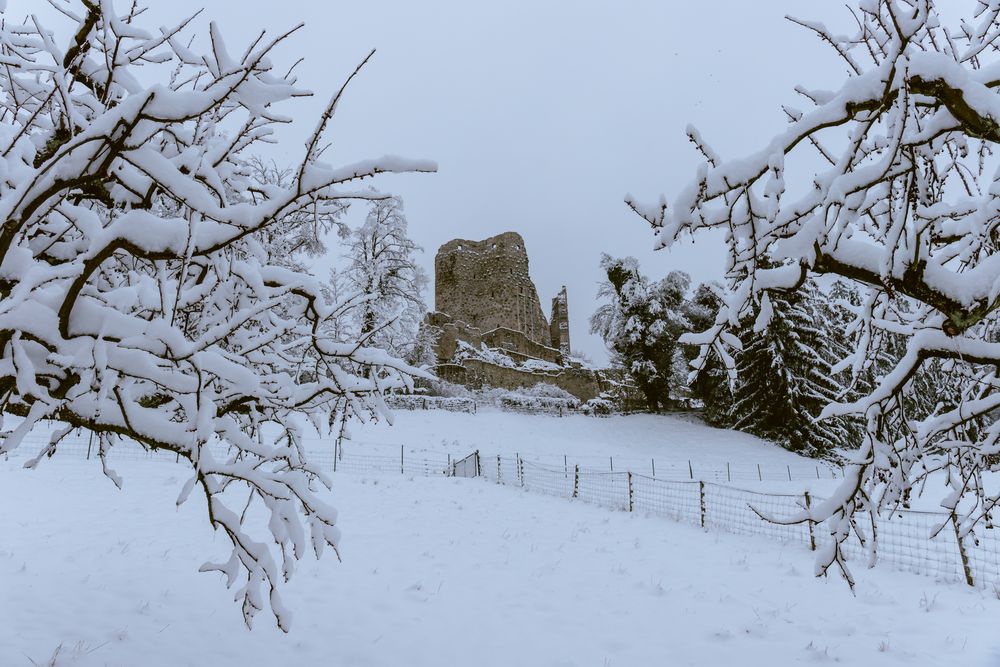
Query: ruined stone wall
{"points": [[486, 285], [513, 343], [476, 374], [559, 324]]}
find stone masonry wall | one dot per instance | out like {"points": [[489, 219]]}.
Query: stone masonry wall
{"points": [[476, 374], [486, 285], [559, 326], [513, 343]]}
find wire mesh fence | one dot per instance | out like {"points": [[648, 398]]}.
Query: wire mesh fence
{"points": [[923, 543]]}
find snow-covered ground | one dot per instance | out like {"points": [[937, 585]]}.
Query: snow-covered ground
{"points": [[446, 572], [632, 441]]}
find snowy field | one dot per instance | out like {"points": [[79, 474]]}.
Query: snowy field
{"points": [[446, 572], [634, 442]]}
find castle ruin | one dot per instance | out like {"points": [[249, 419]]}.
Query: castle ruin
{"points": [[484, 298]]}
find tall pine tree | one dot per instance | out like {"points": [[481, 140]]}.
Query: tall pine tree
{"points": [[785, 377]]}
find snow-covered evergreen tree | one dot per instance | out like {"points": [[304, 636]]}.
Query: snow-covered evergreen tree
{"points": [[382, 266], [785, 379], [709, 382], [146, 292], [640, 321]]}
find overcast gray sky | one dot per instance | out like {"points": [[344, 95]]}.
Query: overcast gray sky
{"points": [[541, 115]]}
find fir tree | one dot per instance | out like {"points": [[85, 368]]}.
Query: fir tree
{"points": [[785, 377]]}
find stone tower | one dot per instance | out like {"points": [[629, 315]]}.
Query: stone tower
{"points": [[559, 324], [486, 285]]}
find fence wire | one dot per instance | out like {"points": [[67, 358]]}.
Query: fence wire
{"points": [[905, 539]]}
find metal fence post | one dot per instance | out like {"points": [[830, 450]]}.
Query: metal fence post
{"points": [[336, 447], [701, 501], [520, 469], [499, 471], [479, 465], [565, 466], [653, 463], [961, 550], [812, 537], [760, 476], [576, 481], [631, 504], [401, 460], [789, 468], [612, 460], [729, 475], [690, 469]]}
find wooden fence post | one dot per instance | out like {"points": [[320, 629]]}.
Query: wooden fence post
{"points": [[701, 501], [812, 537], [576, 481], [631, 504], [961, 550]]}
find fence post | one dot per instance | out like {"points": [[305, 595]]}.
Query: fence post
{"points": [[576, 481], [479, 465], [817, 472], [565, 466], [451, 467], [630, 502], [336, 449], [729, 475], [612, 459], [789, 468], [653, 462], [520, 469], [760, 477], [690, 469], [499, 468], [961, 550], [701, 501], [812, 537]]}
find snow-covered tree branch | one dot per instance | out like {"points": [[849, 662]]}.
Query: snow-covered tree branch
{"points": [[904, 202], [146, 291]]}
